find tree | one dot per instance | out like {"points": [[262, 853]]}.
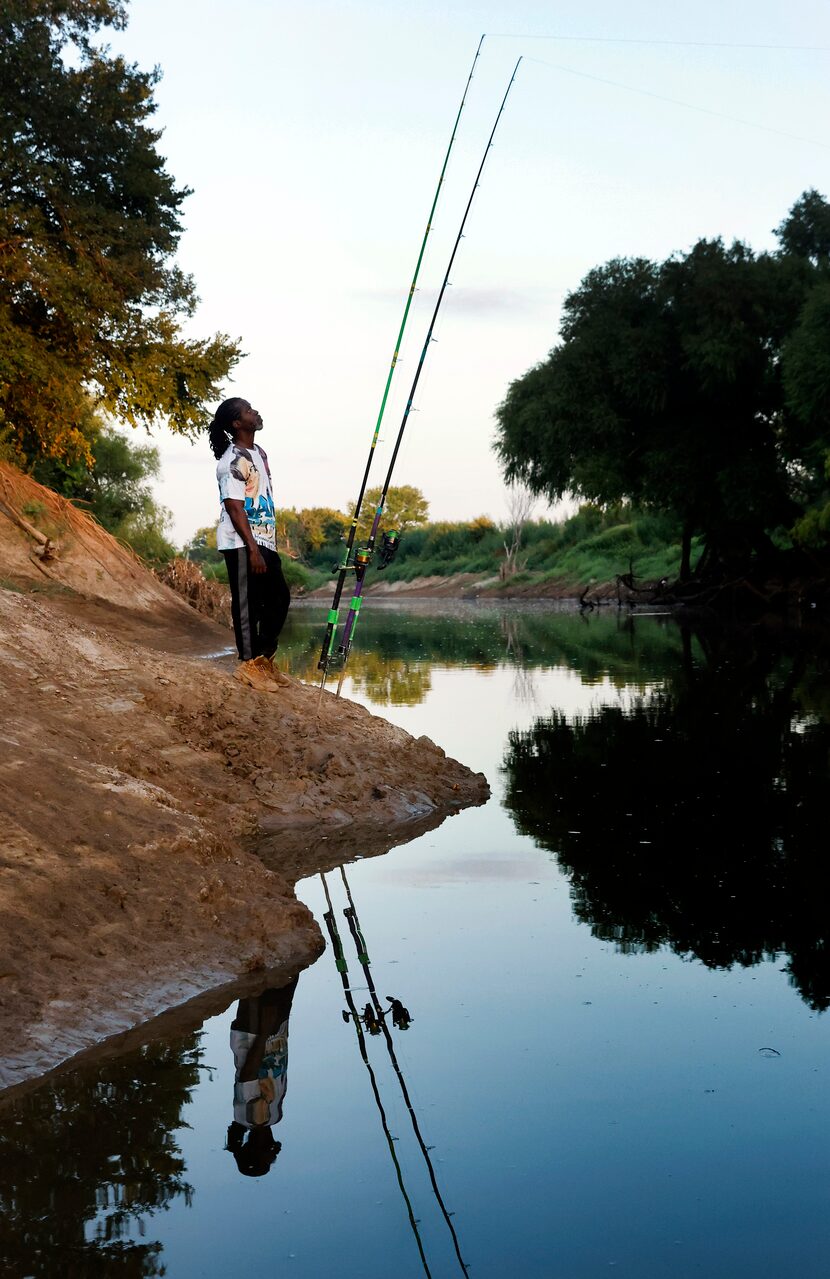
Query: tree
{"points": [[667, 390], [805, 232], [201, 548], [115, 488], [406, 507], [320, 526], [90, 301], [520, 504]]}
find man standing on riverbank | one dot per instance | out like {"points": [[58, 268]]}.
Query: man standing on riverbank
{"points": [[246, 536], [259, 1043]]}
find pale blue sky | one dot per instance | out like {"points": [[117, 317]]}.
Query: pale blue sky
{"points": [[313, 135]]}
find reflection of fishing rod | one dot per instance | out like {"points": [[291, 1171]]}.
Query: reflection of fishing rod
{"points": [[375, 1021], [347, 565], [364, 553], [354, 1016]]}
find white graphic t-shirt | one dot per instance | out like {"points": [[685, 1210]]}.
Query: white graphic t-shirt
{"points": [[259, 1101], [243, 474]]}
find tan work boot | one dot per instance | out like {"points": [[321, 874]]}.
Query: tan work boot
{"points": [[285, 681], [259, 674]]}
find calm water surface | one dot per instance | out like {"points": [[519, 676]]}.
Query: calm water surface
{"points": [[617, 973]]}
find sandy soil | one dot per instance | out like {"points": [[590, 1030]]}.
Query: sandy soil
{"points": [[137, 776], [473, 586]]}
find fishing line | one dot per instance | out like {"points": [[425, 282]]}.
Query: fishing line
{"points": [[683, 44], [677, 102], [354, 1017], [363, 959], [331, 621], [364, 554]]}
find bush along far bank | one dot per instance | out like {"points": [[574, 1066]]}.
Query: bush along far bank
{"points": [[616, 553], [587, 551], [594, 546]]}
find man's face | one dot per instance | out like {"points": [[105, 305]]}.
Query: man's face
{"points": [[249, 417]]}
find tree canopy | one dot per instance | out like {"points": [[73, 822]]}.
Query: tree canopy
{"points": [[90, 299], [406, 507], [699, 386]]}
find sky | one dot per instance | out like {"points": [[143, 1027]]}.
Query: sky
{"points": [[312, 135]]}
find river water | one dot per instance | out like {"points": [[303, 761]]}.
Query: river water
{"points": [[616, 974]]}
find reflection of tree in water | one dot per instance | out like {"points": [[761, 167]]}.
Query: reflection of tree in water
{"points": [[82, 1167], [519, 657], [390, 681], [696, 818], [395, 650]]}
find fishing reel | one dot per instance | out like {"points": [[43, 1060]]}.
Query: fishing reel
{"points": [[362, 560], [369, 1019], [401, 1019], [372, 1019], [390, 542]]}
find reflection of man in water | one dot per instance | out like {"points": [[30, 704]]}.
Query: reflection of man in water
{"points": [[259, 1043]]}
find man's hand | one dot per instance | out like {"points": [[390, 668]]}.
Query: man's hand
{"points": [[239, 519]]}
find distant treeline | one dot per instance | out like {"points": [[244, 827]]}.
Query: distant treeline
{"points": [[593, 545]]}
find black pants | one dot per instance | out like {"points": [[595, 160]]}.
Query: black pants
{"points": [[259, 602]]}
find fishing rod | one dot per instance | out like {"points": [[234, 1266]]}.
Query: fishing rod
{"points": [[354, 1016], [390, 542], [347, 565], [377, 1024]]}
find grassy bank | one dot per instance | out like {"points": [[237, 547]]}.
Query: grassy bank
{"points": [[593, 545], [590, 546]]}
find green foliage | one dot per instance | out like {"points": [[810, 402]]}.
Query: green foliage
{"points": [[699, 387], [594, 544], [298, 577], [90, 302], [201, 548], [146, 532], [406, 507], [310, 533], [115, 489], [813, 529], [805, 232]]}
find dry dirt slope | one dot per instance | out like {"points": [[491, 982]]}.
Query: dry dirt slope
{"points": [[134, 779]]}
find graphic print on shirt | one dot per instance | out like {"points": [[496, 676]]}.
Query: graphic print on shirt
{"points": [[259, 1101], [244, 476]]}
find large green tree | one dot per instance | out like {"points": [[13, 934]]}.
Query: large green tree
{"points": [[91, 300], [674, 386]]}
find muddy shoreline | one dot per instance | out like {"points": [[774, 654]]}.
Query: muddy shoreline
{"points": [[137, 784]]}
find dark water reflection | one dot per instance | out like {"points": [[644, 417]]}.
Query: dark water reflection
{"points": [[392, 661], [568, 1087], [696, 816], [88, 1162]]}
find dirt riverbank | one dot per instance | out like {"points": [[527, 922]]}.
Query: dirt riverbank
{"points": [[472, 586], [137, 776]]}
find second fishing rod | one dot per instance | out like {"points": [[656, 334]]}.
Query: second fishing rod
{"points": [[347, 564], [363, 555]]}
